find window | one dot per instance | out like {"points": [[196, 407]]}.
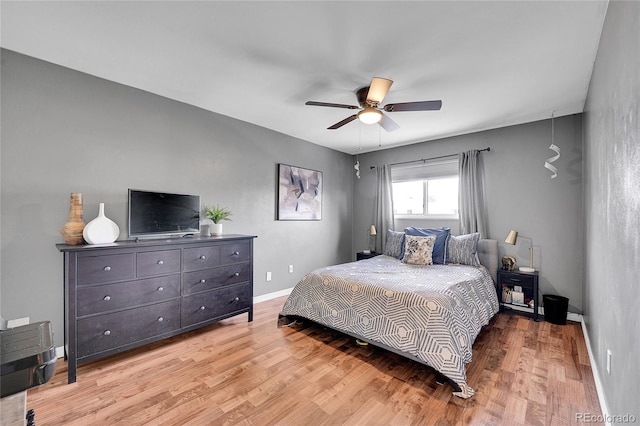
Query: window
{"points": [[427, 190]]}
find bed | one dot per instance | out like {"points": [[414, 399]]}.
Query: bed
{"points": [[428, 313]]}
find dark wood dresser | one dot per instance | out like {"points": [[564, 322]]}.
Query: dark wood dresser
{"points": [[126, 294]]}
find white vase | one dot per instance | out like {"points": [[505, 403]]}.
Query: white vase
{"points": [[101, 230], [216, 229]]}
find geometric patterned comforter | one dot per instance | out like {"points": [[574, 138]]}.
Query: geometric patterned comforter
{"points": [[433, 313]]}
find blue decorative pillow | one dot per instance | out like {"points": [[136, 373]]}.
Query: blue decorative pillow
{"points": [[440, 246], [464, 249], [394, 246]]}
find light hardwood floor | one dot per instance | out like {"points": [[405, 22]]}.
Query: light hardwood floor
{"points": [[235, 372]]}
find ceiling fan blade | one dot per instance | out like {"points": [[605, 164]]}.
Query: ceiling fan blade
{"points": [[378, 89], [388, 124], [343, 122], [414, 106], [327, 104]]}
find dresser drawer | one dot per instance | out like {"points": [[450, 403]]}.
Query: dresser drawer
{"points": [[104, 269], [215, 303], [110, 331], [110, 297], [208, 279], [198, 258], [152, 263], [235, 253]]}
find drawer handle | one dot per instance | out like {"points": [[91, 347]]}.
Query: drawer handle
{"points": [[237, 274], [237, 299], [106, 298], [202, 308], [160, 288], [202, 281], [107, 268], [160, 262], [160, 319], [236, 253], [515, 280], [107, 332], [203, 257]]}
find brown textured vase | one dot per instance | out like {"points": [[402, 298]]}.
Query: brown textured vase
{"points": [[72, 230]]}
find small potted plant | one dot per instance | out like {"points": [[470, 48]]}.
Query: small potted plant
{"points": [[217, 214]]}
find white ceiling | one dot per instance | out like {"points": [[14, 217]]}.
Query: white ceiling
{"points": [[493, 63]]}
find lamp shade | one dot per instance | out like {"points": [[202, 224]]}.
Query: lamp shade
{"points": [[372, 230], [370, 115], [512, 237]]}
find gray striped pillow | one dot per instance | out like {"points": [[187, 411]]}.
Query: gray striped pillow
{"points": [[463, 249]]}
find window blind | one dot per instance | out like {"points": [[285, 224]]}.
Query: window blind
{"points": [[427, 169]]}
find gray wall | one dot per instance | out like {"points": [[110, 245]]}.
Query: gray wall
{"points": [[65, 131], [520, 195], [612, 207]]}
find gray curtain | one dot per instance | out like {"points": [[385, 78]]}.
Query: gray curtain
{"points": [[383, 213], [471, 195]]}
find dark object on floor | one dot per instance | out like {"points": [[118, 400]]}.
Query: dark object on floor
{"points": [[555, 309]]}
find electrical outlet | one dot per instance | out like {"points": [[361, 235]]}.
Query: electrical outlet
{"points": [[609, 361], [268, 276], [291, 269]]}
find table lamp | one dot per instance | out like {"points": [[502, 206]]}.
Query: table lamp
{"points": [[512, 238]]}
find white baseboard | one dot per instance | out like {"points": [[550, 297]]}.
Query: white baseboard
{"points": [[273, 295], [596, 374]]}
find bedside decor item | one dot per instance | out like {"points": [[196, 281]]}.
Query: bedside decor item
{"points": [[372, 233], [517, 298], [101, 230], [512, 238], [72, 230], [299, 193], [217, 214], [508, 263]]}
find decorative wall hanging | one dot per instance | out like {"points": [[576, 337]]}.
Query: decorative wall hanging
{"points": [[556, 149], [299, 193]]}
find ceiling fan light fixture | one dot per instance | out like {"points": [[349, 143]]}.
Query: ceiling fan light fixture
{"points": [[370, 115]]}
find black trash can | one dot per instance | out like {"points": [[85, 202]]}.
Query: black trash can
{"points": [[555, 308]]}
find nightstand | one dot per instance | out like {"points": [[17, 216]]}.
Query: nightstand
{"points": [[362, 255], [529, 283]]}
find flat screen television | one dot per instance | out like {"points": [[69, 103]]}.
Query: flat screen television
{"points": [[157, 214]]}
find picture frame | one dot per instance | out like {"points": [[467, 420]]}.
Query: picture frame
{"points": [[299, 193]]}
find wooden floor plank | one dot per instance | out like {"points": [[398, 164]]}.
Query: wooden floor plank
{"points": [[240, 373]]}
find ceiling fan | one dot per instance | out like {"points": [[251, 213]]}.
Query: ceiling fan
{"points": [[369, 98]]}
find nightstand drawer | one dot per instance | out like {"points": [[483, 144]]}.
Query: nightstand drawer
{"points": [[517, 279]]}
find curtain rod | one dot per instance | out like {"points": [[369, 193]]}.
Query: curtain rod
{"points": [[432, 158]]}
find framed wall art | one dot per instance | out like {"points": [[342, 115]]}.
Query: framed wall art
{"points": [[299, 193]]}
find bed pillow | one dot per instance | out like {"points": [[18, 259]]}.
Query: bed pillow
{"points": [[440, 246], [395, 244], [418, 250], [463, 249]]}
